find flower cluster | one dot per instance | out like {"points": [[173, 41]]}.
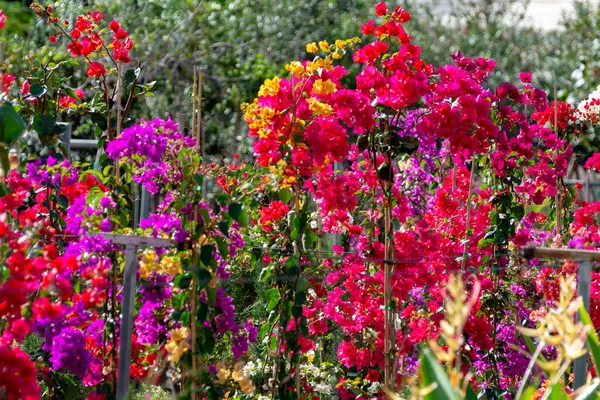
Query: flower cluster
{"points": [[153, 148]]}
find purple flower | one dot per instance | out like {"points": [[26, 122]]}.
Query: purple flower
{"points": [[68, 352], [252, 331]]}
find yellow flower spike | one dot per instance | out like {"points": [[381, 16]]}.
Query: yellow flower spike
{"points": [[324, 46], [311, 47]]}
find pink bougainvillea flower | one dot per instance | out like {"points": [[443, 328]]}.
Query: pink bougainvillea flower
{"points": [[2, 19], [381, 9], [526, 77], [80, 93]]}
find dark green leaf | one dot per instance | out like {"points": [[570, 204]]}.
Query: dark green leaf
{"points": [[43, 124], [211, 295], [204, 278], [222, 246], [207, 255], [37, 90], [11, 124], [235, 209], [202, 313]]}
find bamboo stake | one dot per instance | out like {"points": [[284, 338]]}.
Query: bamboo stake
{"points": [[199, 133], [558, 201]]}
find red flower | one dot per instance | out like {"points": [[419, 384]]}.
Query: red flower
{"points": [[80, 93], [96, 69], [66, 101], [75, 34], [381, 9], [121, 34], [368, 28], [114, 26], [7, 80], [52, 39], [97, 16], [373, 376]]}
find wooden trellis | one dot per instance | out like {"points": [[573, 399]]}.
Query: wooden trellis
{"points": [[132, 243]]}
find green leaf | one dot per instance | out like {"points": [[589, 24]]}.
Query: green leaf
{"points": [[4, 160], [470, 395], [201, 313], [434, 375], [43, 124], [204, 278], [131, 75], [185, 318], [528, 393], [592, 338], [285, 195], [222, 246], [303, 284], [208, 345], [37, 90], [62, 201], [211, 295], [272, 298], [224, 227], [207, 255], [235, 209], [557, 392], [183, 281], [11, 125]]}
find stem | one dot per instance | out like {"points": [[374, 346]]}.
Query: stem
{"points": [[534, 357], [468, 219]]}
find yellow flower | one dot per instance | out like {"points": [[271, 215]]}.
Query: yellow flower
{"points": [[180, 334], [311, 48], [270, 87], [324, 87], [267, 113], [325, 63], [340, 44], [148, 262], [337, 56], [170, 266], [295, 68], [324, 46], [319, 108]]}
